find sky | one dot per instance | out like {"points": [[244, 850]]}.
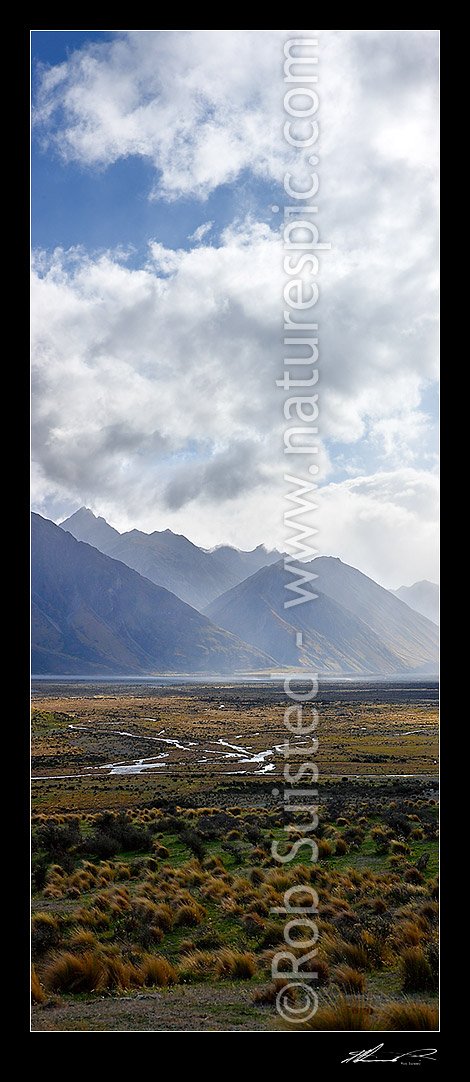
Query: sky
{"points": [[157, 168]]}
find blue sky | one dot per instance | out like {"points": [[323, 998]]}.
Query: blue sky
{"points": [[104, 208], [157, 281]]}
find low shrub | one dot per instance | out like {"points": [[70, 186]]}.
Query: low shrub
{"points": [[45, 933]]}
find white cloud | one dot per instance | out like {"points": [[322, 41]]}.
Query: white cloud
{"points": [[205, 105], [152, 385], [193, 102], [385, 524], [157, 392], [201, 232]]}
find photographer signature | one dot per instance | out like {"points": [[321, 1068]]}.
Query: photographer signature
{"points": [[367, 1055]]}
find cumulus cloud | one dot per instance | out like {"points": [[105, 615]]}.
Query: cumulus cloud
{"points": [[193, 102], [189, 348], [385, 524], [154, 387], [205, 105]]}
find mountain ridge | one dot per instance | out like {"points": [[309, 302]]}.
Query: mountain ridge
{"points": [[352, 626], [423, 597], [91, 613], [352, 621], [171, 560]]}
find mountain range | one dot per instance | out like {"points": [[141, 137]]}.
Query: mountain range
{"points": [[423, 597], [93, 612], [352, 625], [170, 560]]}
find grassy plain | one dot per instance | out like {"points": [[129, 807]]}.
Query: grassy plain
{"points": [[153, 891]]}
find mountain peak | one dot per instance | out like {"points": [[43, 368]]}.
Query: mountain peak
{"points": [[83, 513], [84, 525]]}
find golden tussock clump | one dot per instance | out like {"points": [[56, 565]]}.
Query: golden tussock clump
{"points": [[193, 876], [409, 1015], [83, 940], [279, 879], [235, 964], [123, 872], [231, 907], [69, 972], [45, 932], [93, 971], [197, 965], [349, 980], [339, 1014], [341, 848], [155, 970], [407, 934], [253, 923], [267, 996], [53, 892], [189, 914], [161, 851], [225, 964], [38, 994], [338, 950]]}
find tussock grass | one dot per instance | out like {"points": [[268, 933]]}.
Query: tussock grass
{"points": [[235, 965], [409, 1015], [155, 970], [162, 852], [267, 997], [339, 1014], [146, 911], [340, 951], [408, 934], [137, 897], [349, 980], [38, 994], [399, 848], [189, 915], [198, 965], [83, 940], [119, 974], [341, 848], [75, 972], [416, 971], [253, 923]]}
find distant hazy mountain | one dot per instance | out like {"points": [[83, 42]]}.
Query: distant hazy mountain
{"points": [[239, 564], [423, 597], [170, 560], [353, 625], [92, 614]]}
